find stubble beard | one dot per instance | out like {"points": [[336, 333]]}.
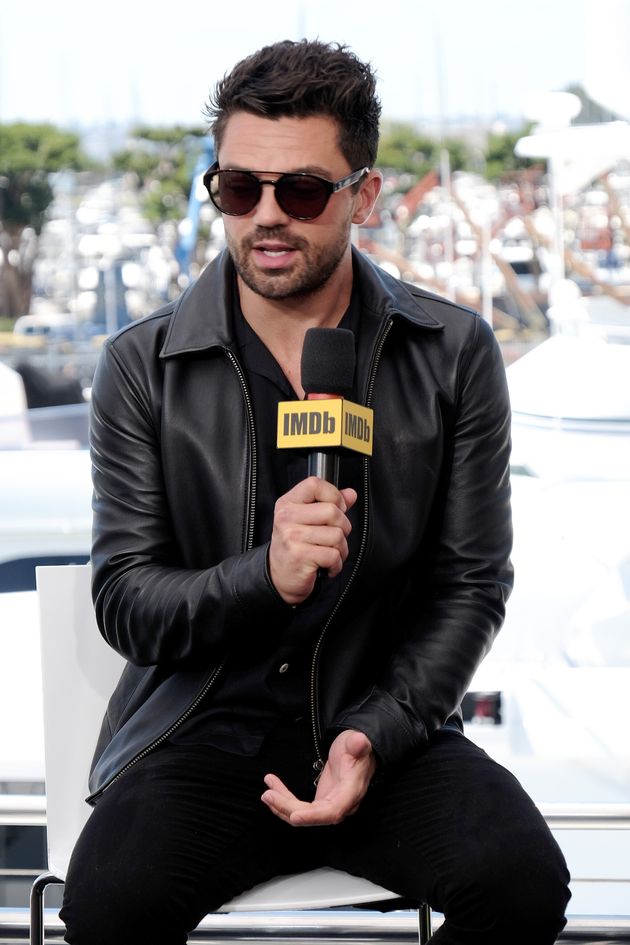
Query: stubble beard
{"points": [[316, 267]]}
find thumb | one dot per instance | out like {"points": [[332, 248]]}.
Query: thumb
{"points": [[358, 744]]}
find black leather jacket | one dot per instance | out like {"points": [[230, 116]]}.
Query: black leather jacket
{"points": [[177, 583]]}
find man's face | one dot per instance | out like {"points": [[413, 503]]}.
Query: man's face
{"points": [[277, 256]]}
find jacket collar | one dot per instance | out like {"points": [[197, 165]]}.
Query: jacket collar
{"points": [[390, 297], [202, 315]]}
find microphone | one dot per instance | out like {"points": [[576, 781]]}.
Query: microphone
{"points": [[327, 373], [325, 421]]}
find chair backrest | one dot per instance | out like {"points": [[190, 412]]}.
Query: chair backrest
{"points": [[79, 672]]}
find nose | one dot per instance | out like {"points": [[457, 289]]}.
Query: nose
{"points": [[268, 211]]}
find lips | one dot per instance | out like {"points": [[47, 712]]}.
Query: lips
{"points": [[273, 255], [274, 248]]}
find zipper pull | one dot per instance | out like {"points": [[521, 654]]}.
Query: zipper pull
{"points": [[318, 766]]}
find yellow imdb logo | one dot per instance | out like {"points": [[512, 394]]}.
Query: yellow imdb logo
{"points": [[318, 424]]}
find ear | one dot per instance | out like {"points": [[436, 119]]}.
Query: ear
{"points": [[367, 196]]}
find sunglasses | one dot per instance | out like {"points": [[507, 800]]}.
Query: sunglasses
{"points": [[301, 196]]}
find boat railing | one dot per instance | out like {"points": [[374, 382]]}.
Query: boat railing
{"points": [[587, 816], [30, 810]]}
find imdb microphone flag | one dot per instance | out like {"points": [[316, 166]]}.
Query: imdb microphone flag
{"points": [[324, 424]]}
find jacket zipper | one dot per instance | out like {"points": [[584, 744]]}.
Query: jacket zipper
{"points": [[163, 737], [248, 542], [318, 764]]}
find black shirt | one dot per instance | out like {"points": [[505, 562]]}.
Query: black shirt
{"points": [[270, 680]]}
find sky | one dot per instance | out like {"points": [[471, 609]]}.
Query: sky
{"points": [[77, 63]]}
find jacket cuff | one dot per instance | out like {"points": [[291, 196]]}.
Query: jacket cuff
{"points": [[253, 588], [386, 725]]}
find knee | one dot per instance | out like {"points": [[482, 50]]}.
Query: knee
{"points": [[103, 909], [526, 892], [98, 913], [534, 902]]}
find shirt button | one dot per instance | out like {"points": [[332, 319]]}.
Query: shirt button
{"points": [[283, 668]]}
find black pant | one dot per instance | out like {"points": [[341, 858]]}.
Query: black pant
{"points": [[184, 830]]}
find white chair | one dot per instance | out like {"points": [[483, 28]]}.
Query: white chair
{"points": [[79, 672]]}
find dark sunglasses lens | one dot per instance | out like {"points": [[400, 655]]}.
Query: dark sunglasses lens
{"points": [[302, 196], [235, 192]]}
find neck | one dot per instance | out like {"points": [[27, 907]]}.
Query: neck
{"points": [[281, 323]]}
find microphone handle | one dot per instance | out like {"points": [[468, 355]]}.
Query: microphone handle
{"points": [[325, 465]]}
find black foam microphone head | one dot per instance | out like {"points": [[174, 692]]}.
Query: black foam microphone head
{"points": [[328, 359]]}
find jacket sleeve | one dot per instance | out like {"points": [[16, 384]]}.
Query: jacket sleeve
{"points": [[149, 606], [453, 604]]}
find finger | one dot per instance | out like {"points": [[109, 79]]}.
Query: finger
{"points": [[313, 489], [295, 515], [328, 539], [284, 806], [276, 784], [350, 496], [278, 797], [357, 744], [321, 813]]}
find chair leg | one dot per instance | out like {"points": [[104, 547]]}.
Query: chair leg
{"points": [[37, 931], [424, 923]]}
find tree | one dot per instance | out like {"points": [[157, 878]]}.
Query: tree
{"points": [[162, 161], [501, 160], [405, 151], [29, 153]]}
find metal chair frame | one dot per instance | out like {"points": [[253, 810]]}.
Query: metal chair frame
{"points": [[41, 883]]}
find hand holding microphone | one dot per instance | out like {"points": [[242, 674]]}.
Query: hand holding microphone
{"points": [[311, 526], [310, 532]]}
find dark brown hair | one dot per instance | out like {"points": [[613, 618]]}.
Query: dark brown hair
{"points": [[297, 79]]}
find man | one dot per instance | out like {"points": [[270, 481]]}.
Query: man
{"points": [[297, 652]]}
